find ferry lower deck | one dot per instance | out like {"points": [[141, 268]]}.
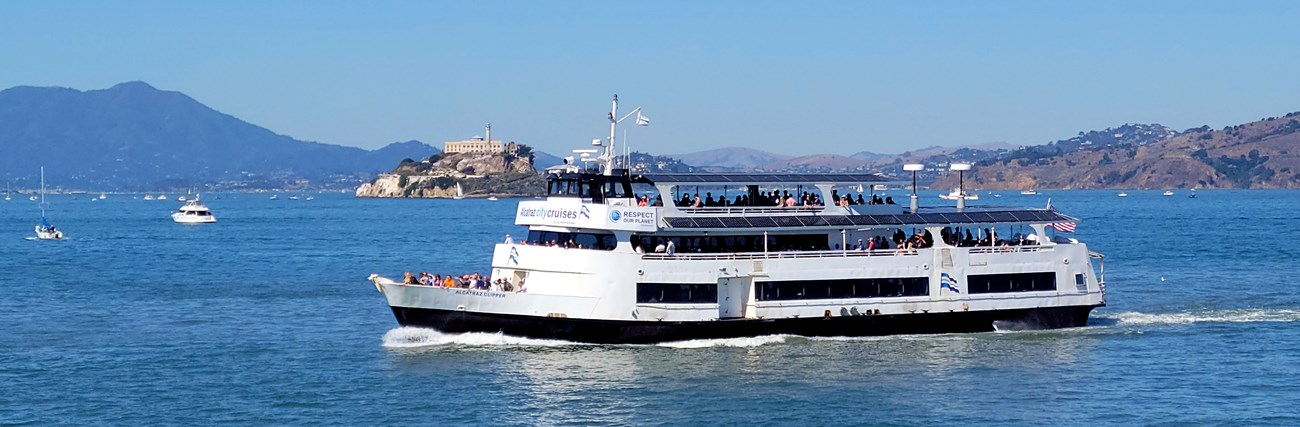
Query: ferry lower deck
{"points": [[642, 332]]}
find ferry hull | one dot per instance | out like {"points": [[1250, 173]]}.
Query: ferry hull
{"points": [[644, 332]]}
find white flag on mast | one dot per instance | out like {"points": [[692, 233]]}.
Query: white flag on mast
{"points": [[642, 120]]}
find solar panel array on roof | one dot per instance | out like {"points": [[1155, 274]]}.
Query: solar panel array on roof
{"points": [[717, 178], [869, 220]]}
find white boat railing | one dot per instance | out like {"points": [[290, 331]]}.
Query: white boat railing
{"points": [[743, 210], [1101, 272], [779, 255], [831, 254], [1009, 249]]}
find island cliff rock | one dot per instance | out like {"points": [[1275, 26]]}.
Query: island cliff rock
{"points": [[479, 175]]}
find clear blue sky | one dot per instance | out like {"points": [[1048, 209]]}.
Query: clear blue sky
{"points": [[788, 77]]}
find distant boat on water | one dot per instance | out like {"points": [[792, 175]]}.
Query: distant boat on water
{"points": [[460, 192], [957, 194], [1192, 195], [45, 231], [162, 197], [1122, 194], [148, 197], [1029, 192], [1168, 192]]}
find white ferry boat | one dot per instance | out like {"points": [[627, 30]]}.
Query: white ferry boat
{"points": [[194, 212], [597, 267], [957, 194]]}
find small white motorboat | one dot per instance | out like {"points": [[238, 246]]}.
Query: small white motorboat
{"points": [[1168, 192], [957, 194], [194, 212]]}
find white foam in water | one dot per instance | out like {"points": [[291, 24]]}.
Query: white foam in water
{"points": [[728, 342], [1213, 316], [408, 337]]}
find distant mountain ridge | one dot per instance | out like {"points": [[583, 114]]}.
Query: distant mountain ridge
{"points": [[730, 158], [133, 136], [1259, 154]]}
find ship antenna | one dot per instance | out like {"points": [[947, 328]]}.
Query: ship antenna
{"points": [[610, 150], [613, 129]]}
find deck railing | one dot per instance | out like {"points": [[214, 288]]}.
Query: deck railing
{"points": [[747, 210], [780, 255], [1009, 249], [831, 254]]}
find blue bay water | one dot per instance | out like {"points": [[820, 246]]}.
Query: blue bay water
{"points": [[267, 318]]}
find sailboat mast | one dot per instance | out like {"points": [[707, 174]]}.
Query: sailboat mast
{"points": [[42, 192], [610, 151]]}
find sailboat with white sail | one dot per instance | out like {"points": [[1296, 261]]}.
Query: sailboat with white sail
{"points": [[45, 231], [460, 192]]}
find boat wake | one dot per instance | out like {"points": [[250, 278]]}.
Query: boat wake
{"points": [[409, 337], [728, 342], [1248, 315]]}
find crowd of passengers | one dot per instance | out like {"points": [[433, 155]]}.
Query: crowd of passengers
{"points": [[775, 199], [899, 241], [465, 281]]}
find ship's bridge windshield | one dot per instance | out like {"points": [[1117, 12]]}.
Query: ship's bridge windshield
{"points": [[589, 186]]}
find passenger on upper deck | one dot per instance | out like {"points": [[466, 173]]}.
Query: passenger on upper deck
{"points": [[697, 203]]}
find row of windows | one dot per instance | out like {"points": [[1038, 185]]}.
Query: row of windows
{"points": [[727, 244], [845, 288], [676, 293], [605, 242], [593, 189], [1000, 283], [707, 293]]}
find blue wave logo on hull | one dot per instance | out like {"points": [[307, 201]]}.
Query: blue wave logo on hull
{"points": [[614, 216]]}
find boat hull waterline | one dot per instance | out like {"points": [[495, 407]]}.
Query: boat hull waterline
{"points": [[599, 331]]}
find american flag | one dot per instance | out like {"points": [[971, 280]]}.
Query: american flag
{"points": [[1065, 227]]}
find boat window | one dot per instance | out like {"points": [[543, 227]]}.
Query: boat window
{"points": [[844, 288], [616, 189], [605, 242], [1002, 283], [730, 244], [676, 293]]}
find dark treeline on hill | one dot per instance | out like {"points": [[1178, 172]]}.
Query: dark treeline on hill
{"points": [[135, 137]]}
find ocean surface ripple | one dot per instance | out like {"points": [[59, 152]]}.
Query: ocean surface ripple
{"points": [[266, 318]]}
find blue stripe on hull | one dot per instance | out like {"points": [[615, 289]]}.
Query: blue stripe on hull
{"points": [[644, 332]]}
